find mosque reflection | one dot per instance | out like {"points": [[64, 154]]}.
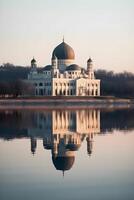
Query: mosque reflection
{"points": [[62, 131]]}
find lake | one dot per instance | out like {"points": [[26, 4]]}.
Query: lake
{"points": [[68, 154]]}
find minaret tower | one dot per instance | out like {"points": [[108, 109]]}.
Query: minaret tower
{"points": [[90, 71], [33, 144], [33, 66], [55, 70], [54, 62]]}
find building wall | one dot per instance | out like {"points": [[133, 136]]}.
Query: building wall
{"points": [[63, 86], [68, 83], [87, 87], [42, 86], [66, 86]]}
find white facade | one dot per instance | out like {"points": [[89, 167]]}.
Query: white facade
{"points": [[63, 77]]}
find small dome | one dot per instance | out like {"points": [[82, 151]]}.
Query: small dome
{"points": [[47, 68], [63, 163], [89, 60], [64, 52], [73, 67], [33, 60]]}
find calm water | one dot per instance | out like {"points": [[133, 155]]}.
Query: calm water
{"points": [[70, 154]]}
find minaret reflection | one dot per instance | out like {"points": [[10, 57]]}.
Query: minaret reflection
{"points": [[63, 133], [89, 140], [33, 144]]}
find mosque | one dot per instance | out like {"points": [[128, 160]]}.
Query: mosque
{"points": [[63, 77]]}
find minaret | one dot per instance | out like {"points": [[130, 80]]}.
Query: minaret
{"points": [[90, 71], [55, 70], [54, 62], [33, 66]]}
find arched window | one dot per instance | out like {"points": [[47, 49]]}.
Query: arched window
{"points": [[96, 92], [41, 92], [56, 92], [40, 84]]}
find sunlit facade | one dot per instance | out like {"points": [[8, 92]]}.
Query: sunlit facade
{"points": [[63, 77]]}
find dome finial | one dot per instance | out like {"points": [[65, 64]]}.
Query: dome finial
{"points": [[63, 38], [89, 60], [33, 60]]}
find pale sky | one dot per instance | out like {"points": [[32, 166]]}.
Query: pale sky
{"points": [[101, 29]]}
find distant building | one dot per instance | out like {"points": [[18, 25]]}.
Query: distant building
{"points": [[63, 76]]}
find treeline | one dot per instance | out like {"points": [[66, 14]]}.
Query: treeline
{"points": [[112, 84], [9, 72], [13, 81], [116, 84], [15, 88]]}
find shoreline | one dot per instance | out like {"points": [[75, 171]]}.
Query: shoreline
{"points": [[72, 102]]}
